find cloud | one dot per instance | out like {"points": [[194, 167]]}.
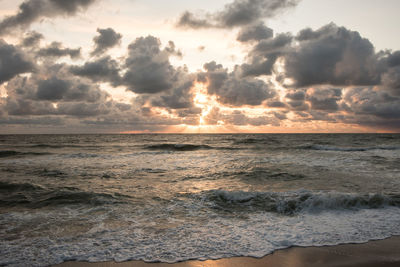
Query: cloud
{"points": [[56, 49], [255, 32], [391, 80], [189, 20], [234, 90], [148, 70], [104, 69], [31, 11], [107, 39], [239, 118], [371, 107], [238, 13], [265, 53], [54, 83], [332, 55], [180, 97], [324, 99], [32, 39], [13, 61]]}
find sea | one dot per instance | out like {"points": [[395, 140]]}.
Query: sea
{"points": [[176, 197]]}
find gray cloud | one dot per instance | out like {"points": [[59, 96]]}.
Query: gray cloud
{"points": [[332, 55], [13, 61], [34, 10], [324, 99], [52, 89], [104, 69], [238, 118], [32, 39], [265, 53], [55, 89], [56, 49], [374, 108], [179, 97], [189, 20], [391, 80], [107, 39], [148, 67], [237, 13], [54, 83], [394, 59], [296, 95], [255, 32], [232, 89]]}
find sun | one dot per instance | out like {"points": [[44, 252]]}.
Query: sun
{"points": [[203, 101]]}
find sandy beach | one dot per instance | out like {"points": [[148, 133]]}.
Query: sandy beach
{"points": [[384, 253]]}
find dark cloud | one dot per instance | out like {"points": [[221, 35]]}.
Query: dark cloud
{"points": [[84, 109], [255, 32], [273, 103], [32, 39], [71, 6], [34, 10], [332, 55], [298, 105], [372, 107], [265, 53], [148, 67], [13, 61], [189, 20], [104, 69], [237, 13], [296, 95], [232, 89], [107, 39], [55, 89], [56, 49], [45, 120], [324, 99], [179, 97], [394, 59], [391, 80], [52, 89], [239, 118], [53, 83]]}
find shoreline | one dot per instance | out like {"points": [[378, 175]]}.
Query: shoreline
{"points": [[385, 253]]}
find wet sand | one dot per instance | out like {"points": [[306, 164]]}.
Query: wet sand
{"points": [[383, 253]]}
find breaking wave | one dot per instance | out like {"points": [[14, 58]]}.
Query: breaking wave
{"points": [[289, 203]]}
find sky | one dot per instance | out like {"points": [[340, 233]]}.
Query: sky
{"points": [[229, 66]]}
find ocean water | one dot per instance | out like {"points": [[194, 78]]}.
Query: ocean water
{"points": [[171, 198]]}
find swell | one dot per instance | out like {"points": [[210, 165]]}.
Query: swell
{"points": [[35, 196], [256, 141], [290, 203], [348, 149], [12, 153], [178, 147]]}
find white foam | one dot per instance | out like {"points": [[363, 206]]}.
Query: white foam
{"points": [[168, 237]]}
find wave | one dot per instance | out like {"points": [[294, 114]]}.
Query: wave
{"points": [[34, 196], [178, 147], [348, 149], [185, 147], [12, 153], [290, 203], [256, 141], [11, 187]]}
